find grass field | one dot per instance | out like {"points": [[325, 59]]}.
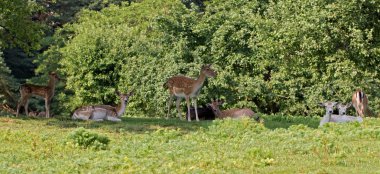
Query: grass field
{"points": [[283, 144]]}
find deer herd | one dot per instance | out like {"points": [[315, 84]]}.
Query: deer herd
{"points": [[182, 87]]}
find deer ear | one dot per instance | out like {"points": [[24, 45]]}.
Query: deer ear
{"points": [[349, 104], [321, 104], [117, 92]]}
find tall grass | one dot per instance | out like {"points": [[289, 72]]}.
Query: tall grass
{"points": [[283, 144]]}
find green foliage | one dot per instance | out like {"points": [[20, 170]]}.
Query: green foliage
{"points": [[124, 59], [16, 30], [7, 83], [273, 56], [24, 33], [83, 138], [153, 145]]}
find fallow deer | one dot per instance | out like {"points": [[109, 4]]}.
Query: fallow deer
{"points": [[330, 117], [185, 87], [342, 108], [33, 113], [46, 92], [232, 113], [360, 103], [41, 114], [103, 112]]}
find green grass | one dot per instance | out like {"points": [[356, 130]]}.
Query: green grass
{"points": [[283, 144]]}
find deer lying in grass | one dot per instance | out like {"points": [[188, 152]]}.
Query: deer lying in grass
{"points": [[103, 112], [232, 113], [46, 92], [37, 114], [330, 117], [360, 103], [185, 87], [342, 108]]}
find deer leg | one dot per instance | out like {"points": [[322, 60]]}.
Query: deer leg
{"points": [[178, 102], [18, 106], [170, 100], [26, 105], [47, 103], [361, 113], [188, 108], [196, 109]]}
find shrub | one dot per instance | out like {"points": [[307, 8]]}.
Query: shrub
{"points": [[85, 139]]}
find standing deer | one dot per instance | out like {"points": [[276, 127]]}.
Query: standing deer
{"points": [[330, 117], [232, 113], [360, 103], [185, 87], [46, 92], [103, 112]]}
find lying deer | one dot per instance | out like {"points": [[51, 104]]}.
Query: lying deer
{"points": [[103, 112], [360, 103], [185, 87], [232, 113], [46, 92], [330, 117], [342, 108]]}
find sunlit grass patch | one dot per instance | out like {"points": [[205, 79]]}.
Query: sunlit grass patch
{"points": [[153, 145]]}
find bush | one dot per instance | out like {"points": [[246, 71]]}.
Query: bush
{"points": [[83, 138], [274, 57]]}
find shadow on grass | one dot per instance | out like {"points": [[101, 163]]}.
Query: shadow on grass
{"points": [[137, 125], [142, 125]]}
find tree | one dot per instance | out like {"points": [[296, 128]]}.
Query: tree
{"points": [[24, 34], [273, 56]]}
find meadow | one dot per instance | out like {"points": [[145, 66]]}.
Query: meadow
{"points": [[282, 144]]}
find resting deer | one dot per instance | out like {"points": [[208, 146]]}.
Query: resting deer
{"points": [[185, 87], [46, 92], [342, 108], [330, 117], [360, 103], [103, 112], [232, 113], [33, 113]]}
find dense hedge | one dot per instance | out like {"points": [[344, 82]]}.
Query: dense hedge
{"points": [[277, 56]]}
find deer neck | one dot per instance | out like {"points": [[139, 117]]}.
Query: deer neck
{"points": [[219, 113], [51, 86], [120, 108], [200, 80], [328, 116]]}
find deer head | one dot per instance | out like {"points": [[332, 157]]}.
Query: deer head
{"points": [[54, 76], [342, 108], [206, 69], [215, 104], [329, 106]]}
